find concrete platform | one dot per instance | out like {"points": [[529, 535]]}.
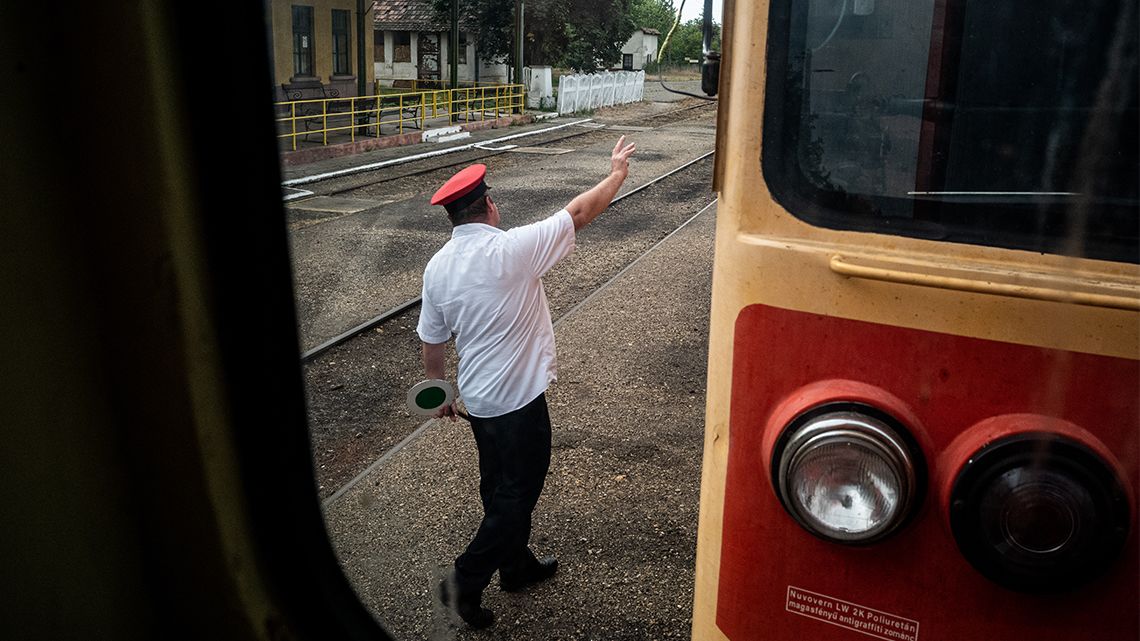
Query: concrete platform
{"points": [[620, 505]]}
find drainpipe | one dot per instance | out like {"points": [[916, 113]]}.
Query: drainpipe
{"points": [[453, 44], [520, 33], [361, 59]]}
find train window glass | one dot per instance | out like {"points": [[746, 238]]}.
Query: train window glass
{"points": [[1010, 124]]}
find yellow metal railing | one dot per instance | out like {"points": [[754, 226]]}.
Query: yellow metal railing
{"points": [[419, 84], [367, 116], [473, 103]]}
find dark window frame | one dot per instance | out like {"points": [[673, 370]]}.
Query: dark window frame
{"points": [[378, 46], [398, 48], [303, 41], [342, 42]]}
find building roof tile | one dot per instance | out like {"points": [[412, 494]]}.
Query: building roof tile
{"points": [[413, 15]]}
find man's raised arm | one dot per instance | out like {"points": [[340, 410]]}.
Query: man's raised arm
{"points": [[586, 206]]}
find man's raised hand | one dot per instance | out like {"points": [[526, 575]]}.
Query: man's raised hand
{"points": [[619, 160]]}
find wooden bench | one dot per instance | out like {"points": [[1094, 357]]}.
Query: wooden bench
{"points": [[308, 90], [310, 114], [411, 108], [334, 112], [408, 110]]}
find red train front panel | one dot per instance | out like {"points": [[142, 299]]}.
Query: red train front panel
{"points": [[955, 397]]}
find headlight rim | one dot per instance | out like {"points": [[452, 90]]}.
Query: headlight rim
{"points": [[878, 429]]}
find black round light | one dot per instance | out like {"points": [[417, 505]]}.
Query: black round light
{"points": [[1039, 512]]}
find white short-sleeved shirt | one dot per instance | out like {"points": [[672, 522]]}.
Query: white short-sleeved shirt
{"points": [[484, 286]]}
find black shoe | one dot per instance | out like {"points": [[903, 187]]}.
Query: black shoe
{"points": [[468, 609], [541, 570]]}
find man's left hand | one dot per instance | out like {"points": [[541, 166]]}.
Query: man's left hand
{"points": [[447, 410]]}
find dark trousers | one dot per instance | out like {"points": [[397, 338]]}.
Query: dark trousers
{"points": [[514, 456]]}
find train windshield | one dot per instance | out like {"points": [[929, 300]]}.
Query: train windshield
{"points": [[1010, 124]]}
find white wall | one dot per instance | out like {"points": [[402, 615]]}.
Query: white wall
{"points": [[643, 47], [388, 71]]}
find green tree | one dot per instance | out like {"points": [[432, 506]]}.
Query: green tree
{"points": [[581, 34], [686, 41], [654, 14], [489, 20], [596, 32], [546, 35]]}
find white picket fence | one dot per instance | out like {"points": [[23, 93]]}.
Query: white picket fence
{"points": [[579, 92]]}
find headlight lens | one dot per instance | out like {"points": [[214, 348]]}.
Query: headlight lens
{"points": [[1038, 512], [845, 475]]}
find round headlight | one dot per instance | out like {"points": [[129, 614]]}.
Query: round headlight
{"points": [[846, 475], [1038, 512]]}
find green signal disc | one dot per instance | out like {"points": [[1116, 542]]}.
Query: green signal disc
{"points": [[428, 396]]}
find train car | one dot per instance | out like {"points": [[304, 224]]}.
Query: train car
{"points": [[923, 416]]}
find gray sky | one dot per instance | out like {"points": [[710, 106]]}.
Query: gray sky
{"points": [[693, 9]]}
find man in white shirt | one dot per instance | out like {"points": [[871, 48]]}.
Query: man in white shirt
{"points": [[484, 287]]}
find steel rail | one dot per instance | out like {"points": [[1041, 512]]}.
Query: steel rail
{"points": [[359, 329], [479, 146], [380, 319], [304, 180]]}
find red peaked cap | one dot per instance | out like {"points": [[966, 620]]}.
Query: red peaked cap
{"points": [[462, 189]]}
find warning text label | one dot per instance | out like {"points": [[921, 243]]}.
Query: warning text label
{"points": [[846, 614]]}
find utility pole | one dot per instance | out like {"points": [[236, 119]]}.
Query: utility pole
{"points": [[361, 59], [453, 44], [520, 33]]}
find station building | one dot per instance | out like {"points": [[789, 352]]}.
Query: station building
{"points": [[640, 49], [410, 42], [315, 48]]}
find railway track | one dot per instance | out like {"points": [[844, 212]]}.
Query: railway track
{"points": [[413, 303], [350, 179], [358, 379], [354, 254]]}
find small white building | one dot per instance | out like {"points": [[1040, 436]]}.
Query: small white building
{"points": [[411, 43], [640, 49]]}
